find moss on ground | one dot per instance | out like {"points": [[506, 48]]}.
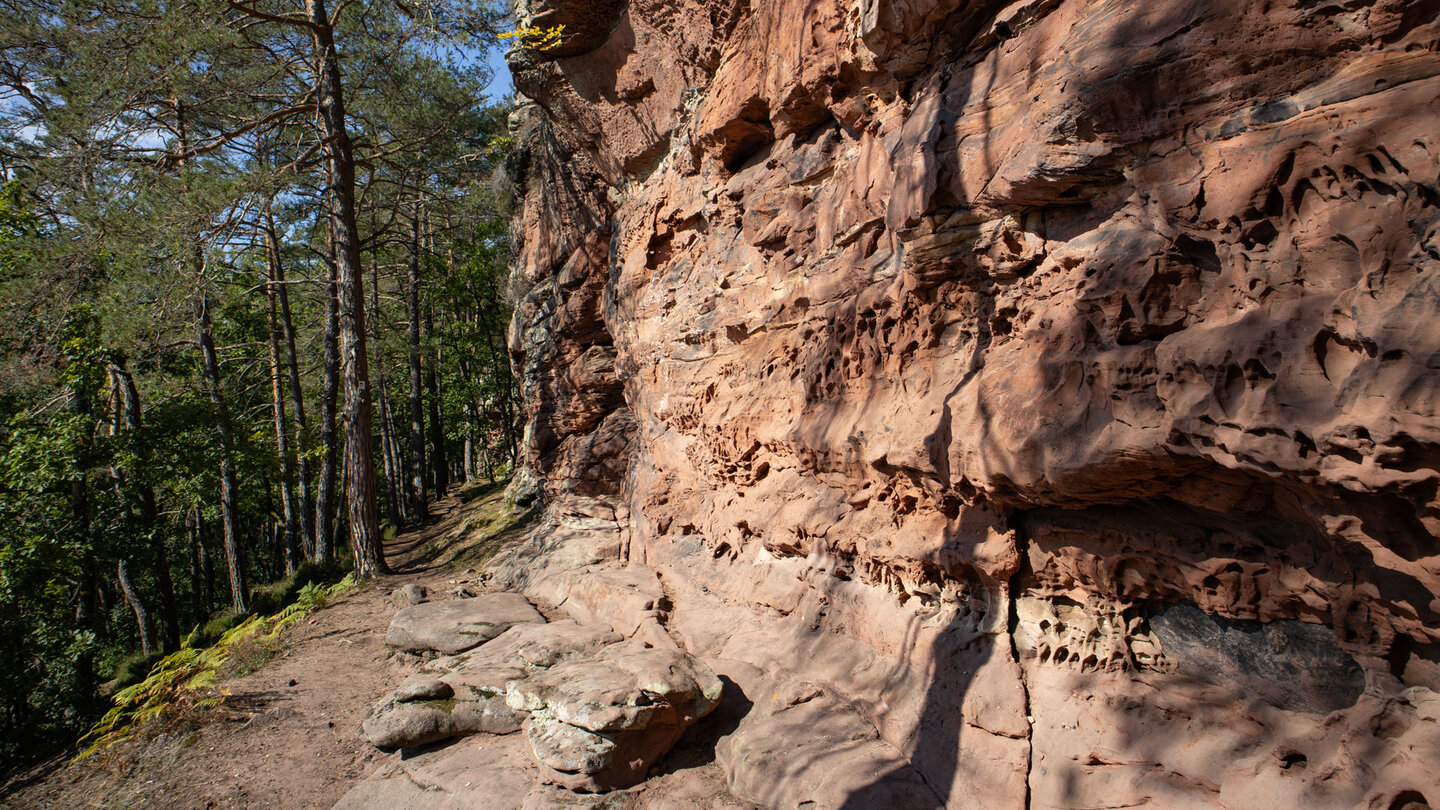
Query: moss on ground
{"points": [[446, 705], [487, 525]]}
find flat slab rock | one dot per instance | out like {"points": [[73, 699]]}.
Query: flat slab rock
{"points": [[499, 773], [530, 647], [457, 625]]}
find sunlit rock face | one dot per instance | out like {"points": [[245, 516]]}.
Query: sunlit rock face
{"points": [[1035, 402]]}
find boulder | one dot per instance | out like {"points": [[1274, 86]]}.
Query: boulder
{"points": [[424, 688], [425, 710], [598, 724], [623, 598], [409, 595], [457, 625], [465, 693]]}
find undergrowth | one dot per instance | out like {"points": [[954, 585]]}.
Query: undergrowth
{"points": [[187, 680]]}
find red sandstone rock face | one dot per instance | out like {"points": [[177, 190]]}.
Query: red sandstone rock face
{"points": [[1051, 387]]}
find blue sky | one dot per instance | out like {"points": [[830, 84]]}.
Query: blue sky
{"points": [[501, 88]]}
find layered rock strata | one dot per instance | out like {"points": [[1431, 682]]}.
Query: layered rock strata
{"points": [[1042, 394]]}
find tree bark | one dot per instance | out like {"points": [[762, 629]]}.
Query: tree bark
{"points": [[329, 398], [365, 539], [439, 466], [469, 458], [229, 508], [137, 605], [387, 442], [277, 404], [127, 410], [287, 497], [197, 570], [229, 496], [297, 403], [419, 498], [394, 472], [206, 564], [439, 459]]}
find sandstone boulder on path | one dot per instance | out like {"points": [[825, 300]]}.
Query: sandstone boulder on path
{"points": [[426, 709], [409, 595], [519, 652], [598, 724], [465, 693], [457, 625]]}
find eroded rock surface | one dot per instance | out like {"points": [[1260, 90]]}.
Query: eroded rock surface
{"points": [[599, 723], [1049, 382]]}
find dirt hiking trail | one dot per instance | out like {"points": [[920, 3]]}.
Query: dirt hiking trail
{"points": [[287, 734]]}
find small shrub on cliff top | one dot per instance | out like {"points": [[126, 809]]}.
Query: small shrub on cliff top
{"points": [[540, 39]]}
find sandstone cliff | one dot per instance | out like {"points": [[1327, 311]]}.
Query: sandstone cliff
{"points": [[1026, 404]]}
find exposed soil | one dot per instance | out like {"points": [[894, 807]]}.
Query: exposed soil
{"points": [[287, 735]]}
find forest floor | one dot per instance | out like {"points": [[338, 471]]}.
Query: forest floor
{"points": [[287, 737]]}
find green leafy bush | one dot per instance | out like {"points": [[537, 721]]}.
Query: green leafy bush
{"points": [[134, 667], [282, 592]]}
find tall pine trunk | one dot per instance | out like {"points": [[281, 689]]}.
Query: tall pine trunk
{"points": [[439, 462], [419, 497], [394, 468], [136, 601], [365, 538], [329, 397], [86, 613], [387, 441], [439, 466], [291, 529], [469, 443], [229, 496], [126, 416], [297, 403], [198, 597]]}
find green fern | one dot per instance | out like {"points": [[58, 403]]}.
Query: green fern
{"points": [[178, 679]]}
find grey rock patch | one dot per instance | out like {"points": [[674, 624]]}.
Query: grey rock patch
{"points": [[1288, 663], [423, 687]]}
